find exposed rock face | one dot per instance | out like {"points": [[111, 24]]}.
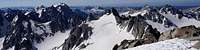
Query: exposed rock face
{"points": [[117, 16], [22, 33], [133, 43], [134, 24], [143, 33], [150, 35], [127, 44], [183, 32], [61, 17], [77, 36]]}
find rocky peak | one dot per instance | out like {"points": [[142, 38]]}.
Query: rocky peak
{"points": [[170, 9], [62, 7], [34, 26]]}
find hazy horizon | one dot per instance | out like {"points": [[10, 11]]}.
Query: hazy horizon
{"points": [[114, 3]]}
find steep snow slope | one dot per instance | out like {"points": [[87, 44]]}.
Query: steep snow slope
{"points": [[50, 42], [106, 34], [172, 44]]}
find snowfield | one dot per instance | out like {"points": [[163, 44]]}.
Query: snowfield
{"points": [[106, 34], [55, 41], [172, 44]]}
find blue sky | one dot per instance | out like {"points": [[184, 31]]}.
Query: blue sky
{"points": [[17, 3]]}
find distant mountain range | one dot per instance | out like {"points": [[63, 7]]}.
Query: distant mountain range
{"points": [[60, 27]]}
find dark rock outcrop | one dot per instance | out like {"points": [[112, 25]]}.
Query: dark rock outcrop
{"points": [[127, 44], [150, 35], [21, 29], [77, 36]]}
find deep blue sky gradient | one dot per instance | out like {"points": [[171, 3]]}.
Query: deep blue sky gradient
{"points": [[18, 3]]}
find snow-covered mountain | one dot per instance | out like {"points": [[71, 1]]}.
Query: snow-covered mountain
{"points": [[60, 27], [24, 29], [116, 32], [163, 19]]}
